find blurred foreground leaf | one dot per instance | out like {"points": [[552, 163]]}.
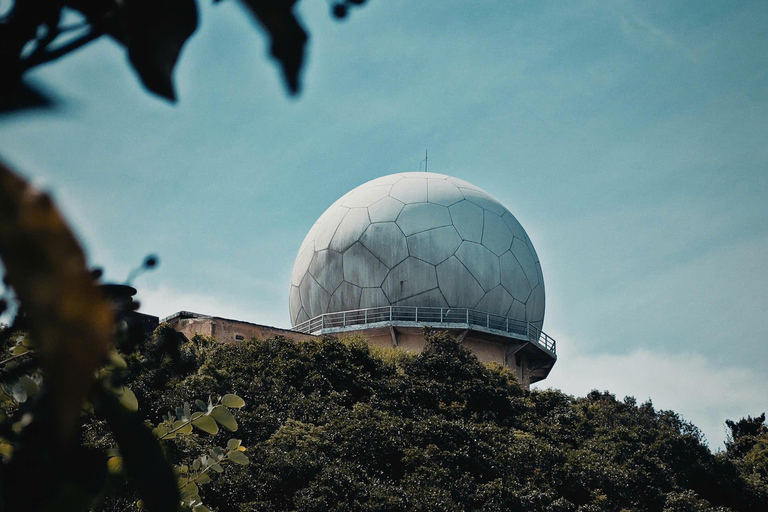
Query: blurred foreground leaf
{"points": [[142, 457], [69, 321]]}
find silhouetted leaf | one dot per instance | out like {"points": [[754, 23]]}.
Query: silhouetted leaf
{"points": [[155, 33], [23, 96], [339, 11], [287, 36]]}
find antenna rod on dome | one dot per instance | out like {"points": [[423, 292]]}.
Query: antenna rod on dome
{"points": [[425, 161]]}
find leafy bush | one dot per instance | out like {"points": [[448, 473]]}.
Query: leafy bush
{"points": [[334, 425]]}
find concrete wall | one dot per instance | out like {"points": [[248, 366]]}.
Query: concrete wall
{"points": [[232, 331], [513, 354]]}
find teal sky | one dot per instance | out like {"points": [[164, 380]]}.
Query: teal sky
{"points": [[629, 139]]}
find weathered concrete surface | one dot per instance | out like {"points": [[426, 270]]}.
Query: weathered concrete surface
{"points": [[229, 331]]}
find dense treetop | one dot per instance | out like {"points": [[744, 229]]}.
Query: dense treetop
{"points": [[338, 425]]}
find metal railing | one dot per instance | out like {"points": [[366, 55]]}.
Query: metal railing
{"points": [[426, 316]]}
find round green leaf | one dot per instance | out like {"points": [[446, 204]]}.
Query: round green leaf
{"points": [[6, 450], [238, 458], [206, 424], [186, 429], [233, 444], [233, 401], [115, 465], [160, 430], [19, 393], [29, 385], [128, 399], [222, 415], [190, 490], [116, 360]]}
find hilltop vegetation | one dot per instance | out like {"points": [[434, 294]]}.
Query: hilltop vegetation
{"points": [[336, 425]]}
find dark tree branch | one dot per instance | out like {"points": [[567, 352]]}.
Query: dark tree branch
{"points": [[38, 58]]}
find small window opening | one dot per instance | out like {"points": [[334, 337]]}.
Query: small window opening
{"points": [[239, 337]]}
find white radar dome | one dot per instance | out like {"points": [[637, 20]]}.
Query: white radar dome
{"points": [[417, 239]]}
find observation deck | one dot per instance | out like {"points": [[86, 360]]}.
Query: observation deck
{"points": [[441, 318], [490, 337]]}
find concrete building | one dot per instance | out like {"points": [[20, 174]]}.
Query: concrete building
{"points": [[411, 250], [227, 330]]}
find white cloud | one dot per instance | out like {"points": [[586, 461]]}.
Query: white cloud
{"points": [[703, 391], [164, 301], [642, 31]]}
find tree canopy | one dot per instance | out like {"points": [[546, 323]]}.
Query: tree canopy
{"points": [[339, 425]]}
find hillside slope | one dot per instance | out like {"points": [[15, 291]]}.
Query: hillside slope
{"points": [[334, 426]]}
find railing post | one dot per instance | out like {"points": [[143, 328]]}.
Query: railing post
{"points": [[467, 316], [507, 330], [390, 313], [365, 316], [322, 322], [344, 319], [487, 320], [441, 315], [417, 314]]}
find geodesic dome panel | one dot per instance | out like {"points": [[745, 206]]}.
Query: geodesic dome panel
{"points": [[417, 239]]}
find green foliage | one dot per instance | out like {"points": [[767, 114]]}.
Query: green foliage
{"points": [[206, 417], [337, 425], [745, 434]]}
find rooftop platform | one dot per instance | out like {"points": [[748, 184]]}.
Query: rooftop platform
{"points": [[439, 318]]}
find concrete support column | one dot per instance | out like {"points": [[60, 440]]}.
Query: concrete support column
{"points": [[394, 335]]}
